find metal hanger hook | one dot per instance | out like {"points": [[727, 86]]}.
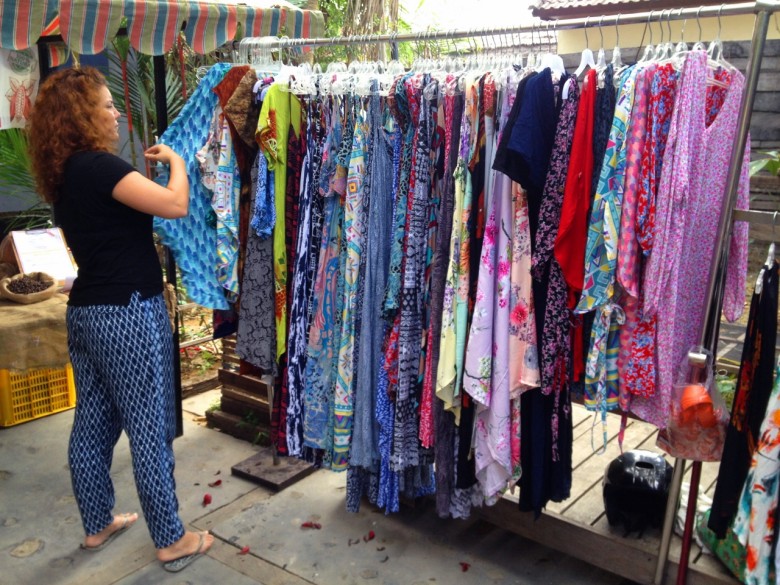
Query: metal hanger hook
{"points": [[698, 22], [682, 28], [649, 27], [549, 44], [617, 30], [601, 32], [719, 11], [587, 41]]}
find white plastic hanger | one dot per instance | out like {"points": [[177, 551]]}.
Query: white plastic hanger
{"points": [[552, 60], [649, 53], [664, 49], [682, 46], [586, 59], [715, 50]]}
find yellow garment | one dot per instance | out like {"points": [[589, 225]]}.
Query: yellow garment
{"points": [[273, 129]]}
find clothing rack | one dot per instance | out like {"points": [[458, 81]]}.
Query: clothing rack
{"points": [[762, 8], [715, 289]]}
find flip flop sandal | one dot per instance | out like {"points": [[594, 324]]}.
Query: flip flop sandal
{"points": [[177, 565], [125, 525]]}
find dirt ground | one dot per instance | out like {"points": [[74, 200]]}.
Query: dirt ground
{"points": [[200, 361]]}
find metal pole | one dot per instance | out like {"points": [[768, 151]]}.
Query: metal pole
{"points": [[714, 299], [563, 24], [161, 108]]}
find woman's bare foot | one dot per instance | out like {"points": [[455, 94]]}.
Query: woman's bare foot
{"points": [[121, 522], [190, 543]]}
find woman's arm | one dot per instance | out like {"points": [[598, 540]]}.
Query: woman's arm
{"points": [[142, 194]]}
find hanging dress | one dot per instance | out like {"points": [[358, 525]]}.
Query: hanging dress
{"points": [[193, 239], [365, 450], [689, 203], [598, 295], [273, 127], [555, 335], [305, 264], [754, 387], [354, 241], [640, 375], [443, 419], [318, 395], [756, 522], [446, 375], [627, 270]]}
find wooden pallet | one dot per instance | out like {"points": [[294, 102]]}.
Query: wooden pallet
{"points": [[578, 526]]}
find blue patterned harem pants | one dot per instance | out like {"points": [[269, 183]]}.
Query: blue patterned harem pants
{"points": [[122, 361]]}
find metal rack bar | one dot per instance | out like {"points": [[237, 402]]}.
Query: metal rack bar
{"points": [[562, 24], [715, 287]]}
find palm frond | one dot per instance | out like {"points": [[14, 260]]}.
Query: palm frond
{"points": [[140, 82], [15, 174]]}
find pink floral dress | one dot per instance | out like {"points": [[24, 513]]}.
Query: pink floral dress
{"points": [[689, 203]]}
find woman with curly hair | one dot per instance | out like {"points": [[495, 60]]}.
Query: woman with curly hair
{"points": [[119, 336]]}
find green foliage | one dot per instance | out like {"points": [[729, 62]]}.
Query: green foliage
{"points": [[37, 216], [334, 12], [769, 162], [131, 82], [337, 13], [15, 172], [16, 182]]}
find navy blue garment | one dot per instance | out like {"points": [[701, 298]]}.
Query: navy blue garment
{"points": [[532, 139], [505, 160]]}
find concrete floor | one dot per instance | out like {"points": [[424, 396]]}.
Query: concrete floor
{"points": [[40, 529]]}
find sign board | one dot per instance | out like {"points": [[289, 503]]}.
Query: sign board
{"points": [[44, 250]]}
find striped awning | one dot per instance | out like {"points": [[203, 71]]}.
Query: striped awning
{"points": [[88, 26]]}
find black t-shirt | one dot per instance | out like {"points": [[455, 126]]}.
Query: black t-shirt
{"points": [[111, 242]]}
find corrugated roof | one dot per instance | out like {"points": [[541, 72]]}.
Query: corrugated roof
{"points": [[548, 9]]}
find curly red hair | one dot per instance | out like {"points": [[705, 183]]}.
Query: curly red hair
{"points": [[61, 124]]}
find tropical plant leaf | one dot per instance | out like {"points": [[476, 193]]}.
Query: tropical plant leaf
{"points": [[16, 178], [769, 162], [758, 165], [140, 84]]}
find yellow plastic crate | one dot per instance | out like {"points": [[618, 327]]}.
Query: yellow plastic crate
{"points": [[30, 394]]}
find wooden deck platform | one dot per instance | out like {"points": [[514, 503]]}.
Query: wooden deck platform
{"points": [[579, 527]]}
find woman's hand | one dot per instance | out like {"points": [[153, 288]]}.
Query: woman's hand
{"points": [[160, 153], [138, 192]]}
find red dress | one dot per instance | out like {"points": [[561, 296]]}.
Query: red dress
{"points": [[573, 230]]}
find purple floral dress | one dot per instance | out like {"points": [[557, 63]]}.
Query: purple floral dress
{"points": [[689, 203]]}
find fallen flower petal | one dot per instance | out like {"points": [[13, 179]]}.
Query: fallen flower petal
{"points": [[206, 499], [380, 548], [369, 536], [310, 524], [384, 560], [244, 551], [351, 542], [218, 472], [464, 566], [215, 483]]}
